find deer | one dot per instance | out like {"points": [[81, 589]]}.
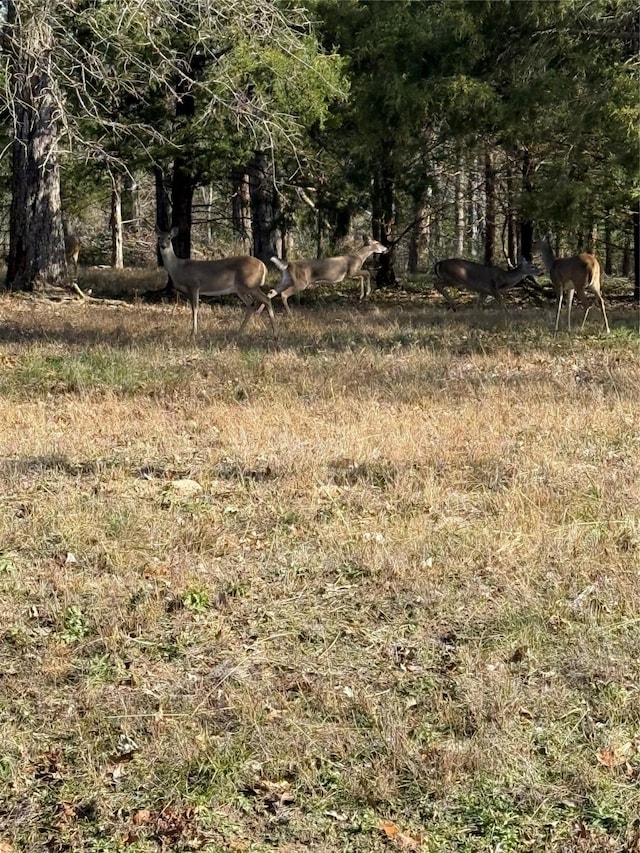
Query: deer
{"points": [[299, 275], [243, 275], [573, 276], [485, 281], [72, 251]]}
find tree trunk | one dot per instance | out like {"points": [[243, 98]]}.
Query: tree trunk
{"points": [[626, 256], [319, 230], [241, 208], [117, 242], [184, 181], [183, 187], [636, 254], [383, 207], [419, 242], [490, 211], [526, 225], [459, 202], [134, 189], [341, 224], [36, 239], [608, 263], [262, 208], [163, 201], [207, 200], [163, 209], [512, 217], [475, 204]]}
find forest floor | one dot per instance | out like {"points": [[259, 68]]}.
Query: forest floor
{"points": [[376, 588]]}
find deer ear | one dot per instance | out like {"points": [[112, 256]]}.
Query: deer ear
{"points": [[174, 232]]}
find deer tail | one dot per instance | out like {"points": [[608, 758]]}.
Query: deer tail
{"points": [[282, 265]]}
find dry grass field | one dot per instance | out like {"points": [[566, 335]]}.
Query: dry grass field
{"points": [[375, 589]]}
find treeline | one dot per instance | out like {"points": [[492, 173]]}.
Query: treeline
{"points": [[439, 128]]}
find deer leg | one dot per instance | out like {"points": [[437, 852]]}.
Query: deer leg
{"points": [[604, 312], [365, 276], [570, 296], [440, 288], [194, 298], [175, 305], [265, 302], [248, 303], [498, 297], [284, 295], [285, 302], [560, 295]]}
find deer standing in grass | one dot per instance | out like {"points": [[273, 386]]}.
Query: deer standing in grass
{"points": [[244, 276], [72, 251], [485, 281], [573, 276], [299, 275]]}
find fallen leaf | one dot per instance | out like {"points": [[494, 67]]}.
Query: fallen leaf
{"points": [[389, 828], [615, 756], [402, 839]]}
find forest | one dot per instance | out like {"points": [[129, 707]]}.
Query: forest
{"points": [[441, 129]]}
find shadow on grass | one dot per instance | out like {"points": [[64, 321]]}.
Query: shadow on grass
{"points": [[54, 462], [318, 325]]}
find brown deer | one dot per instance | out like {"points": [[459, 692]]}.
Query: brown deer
{"points": [[244, 276], [485, 281], [573, 276], [299, 275]]}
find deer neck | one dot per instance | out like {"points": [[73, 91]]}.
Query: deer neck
{"points": [[514, 276], [548, 258], [169, 258], [364, 252]]}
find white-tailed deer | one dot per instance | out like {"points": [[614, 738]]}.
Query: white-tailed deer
{"points": [[242, 275], [485, 281], [72, 251], [573, 276], [299, 275]]}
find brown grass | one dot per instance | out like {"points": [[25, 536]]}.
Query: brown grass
{"points": [[402, 613]]}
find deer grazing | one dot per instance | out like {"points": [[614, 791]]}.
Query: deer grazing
{"points": [[244, 276], [72, 251], [299, 275], [573, 276], [485, 281]]}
